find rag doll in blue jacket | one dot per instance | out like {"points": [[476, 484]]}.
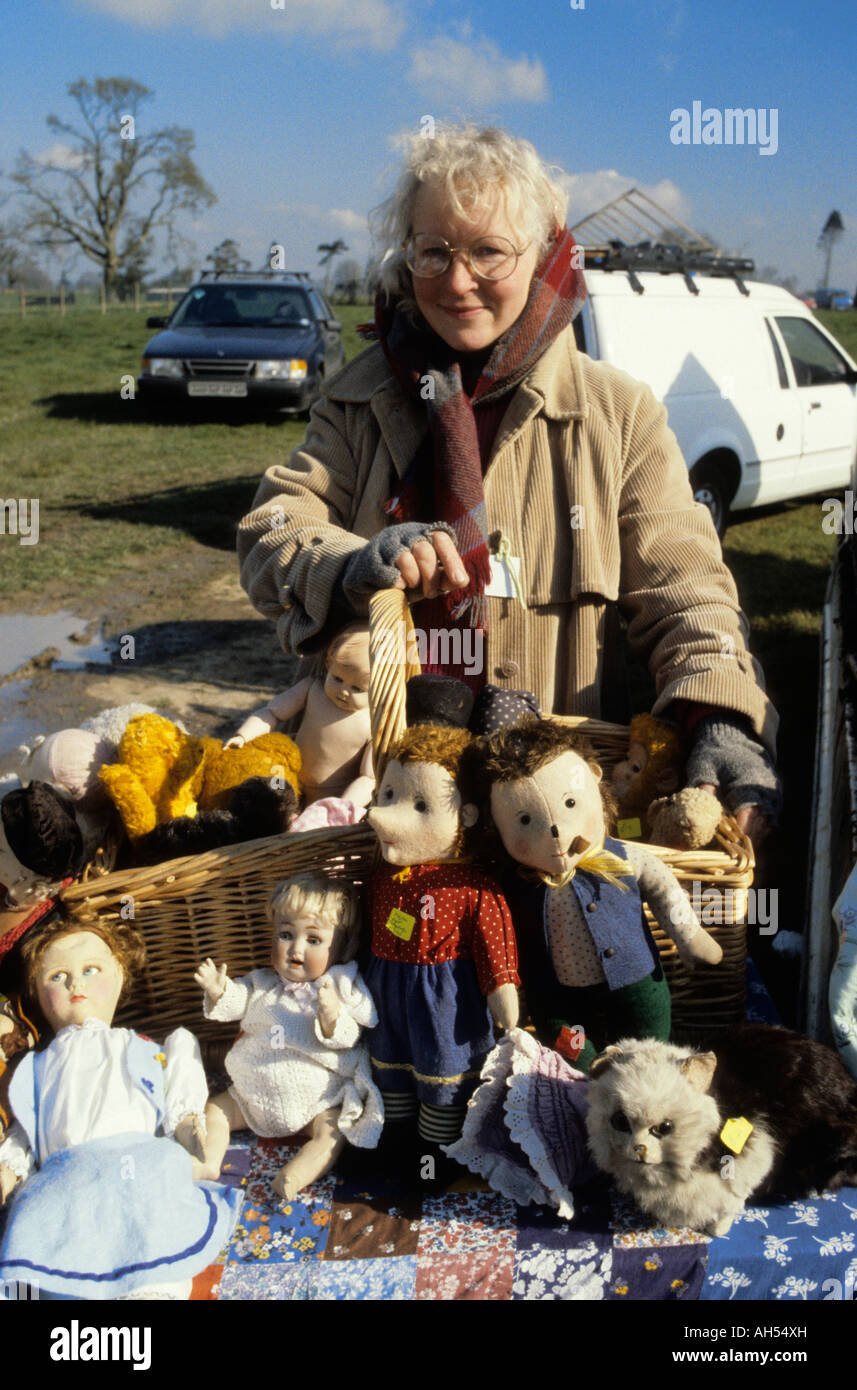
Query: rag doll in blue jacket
{"points": [[590, 968]]}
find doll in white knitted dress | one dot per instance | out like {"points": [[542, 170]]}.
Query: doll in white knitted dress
{"points": [[298, 1063]]}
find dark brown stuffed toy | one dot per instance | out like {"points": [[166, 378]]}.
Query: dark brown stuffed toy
{"points": [[17, 1036]]}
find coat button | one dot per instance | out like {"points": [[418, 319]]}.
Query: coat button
{"points": [[287, 600], [609, 952], [507, 670], [591, 907]]}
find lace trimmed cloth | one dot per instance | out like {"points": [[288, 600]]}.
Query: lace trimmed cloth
{"points": [[525, 1128]]}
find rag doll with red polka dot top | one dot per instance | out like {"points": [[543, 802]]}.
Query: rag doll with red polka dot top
{"points": [[443, 967]]}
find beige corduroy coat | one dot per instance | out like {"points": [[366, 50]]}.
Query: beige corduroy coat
{"points": [[588, 485]]}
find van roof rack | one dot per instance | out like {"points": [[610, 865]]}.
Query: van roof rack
{"points": [[633, 233], [668, 259], [256, 275]]}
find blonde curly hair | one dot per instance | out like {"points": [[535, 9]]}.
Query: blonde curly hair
{"points": [[468, 164]]}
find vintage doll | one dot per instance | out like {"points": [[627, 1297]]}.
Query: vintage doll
{"points": [[334, 735], [443, 966], [768, 1114], [106, 1208], [591, 970], [299, 1061]]}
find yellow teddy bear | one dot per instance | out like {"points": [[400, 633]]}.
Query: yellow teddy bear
{"points": [[163, 772]]}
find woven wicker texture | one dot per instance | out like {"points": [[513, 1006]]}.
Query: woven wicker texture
{"points": [[214, 904]]}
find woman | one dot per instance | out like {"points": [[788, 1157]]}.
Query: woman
{"points": [[473, 455]]}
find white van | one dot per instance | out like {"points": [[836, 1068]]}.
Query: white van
{"points": [[762, 399]]}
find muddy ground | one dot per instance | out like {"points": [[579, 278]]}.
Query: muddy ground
{"points": [[200, 653]]}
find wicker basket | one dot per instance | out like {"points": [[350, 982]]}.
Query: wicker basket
{"points": [[214, 904]]}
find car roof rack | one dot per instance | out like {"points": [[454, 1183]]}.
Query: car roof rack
{"points": [[256, 275], [668, 259]]}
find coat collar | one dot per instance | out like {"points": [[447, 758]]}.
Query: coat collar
{"points": [[553, 388]]}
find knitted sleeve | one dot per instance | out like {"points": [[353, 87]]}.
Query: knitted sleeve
{"points": [[232, 1003], [495, 952], [357, 1010]]}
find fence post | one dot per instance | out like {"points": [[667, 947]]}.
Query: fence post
{"points": [[23, 304], [103, 299], [62, 301], [137, 295]]}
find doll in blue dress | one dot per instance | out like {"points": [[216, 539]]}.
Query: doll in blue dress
{"points": [[99, 1164]]}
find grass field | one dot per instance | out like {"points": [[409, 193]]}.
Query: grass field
{"points": [[131, 507], [117, 492]]}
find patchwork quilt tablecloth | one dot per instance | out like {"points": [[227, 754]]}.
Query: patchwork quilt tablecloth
{"points": [[358, 1239], [367, 1238]]}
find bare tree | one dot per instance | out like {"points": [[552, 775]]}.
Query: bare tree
{"points": [[108, 183], [329, 250]]}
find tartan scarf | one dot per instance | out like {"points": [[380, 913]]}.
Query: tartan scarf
{"points": [[444, 481]]}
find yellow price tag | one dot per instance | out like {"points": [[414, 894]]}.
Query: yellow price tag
{"points": [[735, 1134], [401, 924], [630, 829]]}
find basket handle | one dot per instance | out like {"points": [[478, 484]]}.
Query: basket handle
{"points": [[392, 662]]}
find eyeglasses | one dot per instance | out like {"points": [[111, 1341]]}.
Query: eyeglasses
{"points": [[489, 258]]}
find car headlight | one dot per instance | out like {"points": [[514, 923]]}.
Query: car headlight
{"points": [[162, 366], [288, 368]]}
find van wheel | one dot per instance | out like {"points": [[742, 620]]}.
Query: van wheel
{"points": [[712, 490]]}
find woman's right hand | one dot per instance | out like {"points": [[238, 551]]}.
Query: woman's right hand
{"points": [[412, 555], [433, 565]]}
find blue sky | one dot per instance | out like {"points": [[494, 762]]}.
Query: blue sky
{"points": [[295, 110]]}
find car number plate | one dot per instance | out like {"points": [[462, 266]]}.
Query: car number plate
{"points": [[217, 388]]}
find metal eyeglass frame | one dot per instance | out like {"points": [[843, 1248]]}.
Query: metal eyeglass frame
{"points": [[453, 251]]}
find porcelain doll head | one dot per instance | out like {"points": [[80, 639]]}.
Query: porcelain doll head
{"points": [[423, 804], [347, 680], [547, 796], [315, 923], [76, 973]]}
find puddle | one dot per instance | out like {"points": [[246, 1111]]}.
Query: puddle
{"points": [[24, 636], [15, 728]]}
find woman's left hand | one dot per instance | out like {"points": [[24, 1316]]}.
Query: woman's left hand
{"points": [[727, 760]]}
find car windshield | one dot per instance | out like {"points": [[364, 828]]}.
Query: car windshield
{"points": [[231, 306]]}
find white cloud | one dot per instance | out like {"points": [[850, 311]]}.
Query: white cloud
{"points": [[589, 192], [352, 221], [346, 218], [371, 23], [60, 156], [475, 71]]}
